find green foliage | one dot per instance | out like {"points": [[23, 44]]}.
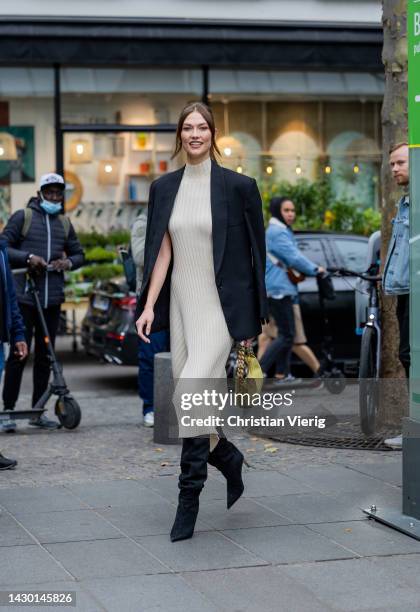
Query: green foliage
{"points": [[118, 237], [318, 209], [100, 254], [101, 272], [90, 240]]}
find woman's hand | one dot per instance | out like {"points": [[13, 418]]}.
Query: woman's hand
{"points": [[145, 319], [321, 270], [247, 343]]}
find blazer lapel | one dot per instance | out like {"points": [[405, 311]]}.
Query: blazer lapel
{"points": [[218, 213]]}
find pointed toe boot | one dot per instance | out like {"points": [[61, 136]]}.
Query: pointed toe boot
{"points": [[194, 456], [229, 461]]}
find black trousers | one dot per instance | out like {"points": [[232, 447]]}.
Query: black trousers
{"points": [[41, 372], [403, 316], [280, 349]]}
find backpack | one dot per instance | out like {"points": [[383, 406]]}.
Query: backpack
{"points": [[27, 220]]}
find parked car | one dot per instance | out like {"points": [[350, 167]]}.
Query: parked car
{"points": [[330, 249], [108, 329]]}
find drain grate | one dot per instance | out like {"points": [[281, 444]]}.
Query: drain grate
{"points": [[375, 443]]}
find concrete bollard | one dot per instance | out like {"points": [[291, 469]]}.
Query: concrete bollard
{"points": [[166, 425]]}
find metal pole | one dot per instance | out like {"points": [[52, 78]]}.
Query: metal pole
{"points": [[59, 148], [408, 520]]}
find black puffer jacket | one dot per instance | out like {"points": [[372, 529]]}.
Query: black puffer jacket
{"points": [[46, 237]]}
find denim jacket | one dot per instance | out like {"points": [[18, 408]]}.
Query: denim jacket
{"points": [[13, 327], [396, 276], [281, 243]]}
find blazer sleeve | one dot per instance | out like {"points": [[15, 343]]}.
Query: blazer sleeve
{"points": [[141, 298], [255, 224]]}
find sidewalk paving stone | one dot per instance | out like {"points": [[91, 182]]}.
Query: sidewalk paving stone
{"points": [[67, 526], [29, 564], [166, 592], [244, 514], [205, 551], [254, 588], [11, 533], [337, 479], [167, 487], [288, 544], [39, 499], [114, 493], [312, 508], [105, 558], [261, 483], [155, 518], [368, 538], [390, 471], [356, 584]]}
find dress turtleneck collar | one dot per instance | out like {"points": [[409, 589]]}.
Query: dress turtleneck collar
{"points": [[201, 170]]}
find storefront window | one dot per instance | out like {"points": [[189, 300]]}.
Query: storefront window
{"points": [[109, 174], [27, 140], [286, 126], [127, 95]]}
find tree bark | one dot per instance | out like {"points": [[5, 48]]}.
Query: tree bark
{"points": [[394, 402]]}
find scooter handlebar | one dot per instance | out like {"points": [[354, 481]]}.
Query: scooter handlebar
{"points": [[28, 270]]}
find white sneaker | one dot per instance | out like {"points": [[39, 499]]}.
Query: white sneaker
{"points": [[8, 426], [149, 419], [394, 442]]}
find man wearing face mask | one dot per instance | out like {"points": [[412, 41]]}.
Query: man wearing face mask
{"points": [[37, 237]]}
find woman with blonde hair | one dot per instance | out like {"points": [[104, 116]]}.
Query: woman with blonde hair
{"points": [[204, 278]]}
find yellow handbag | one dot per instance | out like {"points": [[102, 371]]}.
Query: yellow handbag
{"points": [[248, 375]]}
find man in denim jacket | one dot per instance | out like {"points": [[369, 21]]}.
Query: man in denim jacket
{"points": [[396, 276]]}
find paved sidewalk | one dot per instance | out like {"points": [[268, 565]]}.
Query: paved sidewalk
{"points": [[90, 511]]}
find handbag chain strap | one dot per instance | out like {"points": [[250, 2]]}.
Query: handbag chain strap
{"points": [[242, 353]]}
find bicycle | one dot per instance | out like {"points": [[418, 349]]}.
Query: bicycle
{"points": [[370, 349]]}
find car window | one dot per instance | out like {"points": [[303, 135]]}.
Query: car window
{"points": [[353, 253], [312, 249]]}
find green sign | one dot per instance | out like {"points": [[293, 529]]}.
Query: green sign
{"points": [[414, 71]]}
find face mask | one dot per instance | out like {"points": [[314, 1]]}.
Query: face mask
{"points": [[51, 208]]}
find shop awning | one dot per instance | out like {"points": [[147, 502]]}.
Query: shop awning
{"points": [[188, 43], [293, 83]]}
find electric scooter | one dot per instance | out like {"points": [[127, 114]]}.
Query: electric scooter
{"points": [[67, 409]]}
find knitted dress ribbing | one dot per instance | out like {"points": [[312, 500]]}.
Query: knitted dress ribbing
{"points": [[200, 340]]}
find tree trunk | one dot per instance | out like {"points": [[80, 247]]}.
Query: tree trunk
{"points": [[394, 402]]}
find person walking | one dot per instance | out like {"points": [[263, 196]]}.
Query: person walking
{"points": [[396, 275], [37, 237], [159, 341], [203, 274], [283, 259], [12, 330]]}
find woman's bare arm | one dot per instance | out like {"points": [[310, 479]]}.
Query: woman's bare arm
{"points": [[159, 271], [157, 279]]}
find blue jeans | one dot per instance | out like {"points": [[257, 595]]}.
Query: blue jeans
{"points": [[1, 359], [280, 349], [159, 343]]}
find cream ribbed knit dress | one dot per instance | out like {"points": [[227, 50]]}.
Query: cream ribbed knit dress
{"points": [[200, 340]]}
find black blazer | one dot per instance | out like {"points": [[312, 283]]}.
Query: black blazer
{"points": [[238, 249]]}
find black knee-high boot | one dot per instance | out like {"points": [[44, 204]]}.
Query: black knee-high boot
{"points": [[229, 460], [194, 456]]}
